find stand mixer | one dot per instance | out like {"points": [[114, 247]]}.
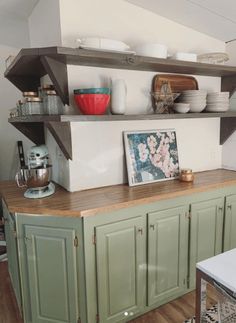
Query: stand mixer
{"points": [[36, 176]]}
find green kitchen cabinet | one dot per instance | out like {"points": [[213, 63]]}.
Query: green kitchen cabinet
{"points": [[120, 263], [206, 233], [12, 253], [167, 254], [49, 263], [230, 223]]}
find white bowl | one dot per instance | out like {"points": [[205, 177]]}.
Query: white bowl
{"points": [[102, 43], [196, 107], [181, 107], [182, 56], [200, 101], [195, 92], [151, 50]]}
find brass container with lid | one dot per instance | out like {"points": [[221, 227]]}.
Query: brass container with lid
{"points": [[186, 175]]}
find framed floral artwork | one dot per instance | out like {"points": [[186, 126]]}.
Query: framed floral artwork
{"points": [[151, 156]]}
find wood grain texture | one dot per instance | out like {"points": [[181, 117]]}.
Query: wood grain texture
{"points": [[178, 83], [174, 312], [111, 198], [9, 312]]}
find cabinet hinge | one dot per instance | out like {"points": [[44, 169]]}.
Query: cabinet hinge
{"points": [[14, 234], [188, 214], [76, 242], [94, 239], [97, 318]]}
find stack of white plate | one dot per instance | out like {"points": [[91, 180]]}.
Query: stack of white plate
{"points": [[217, 102], [195, 98]]}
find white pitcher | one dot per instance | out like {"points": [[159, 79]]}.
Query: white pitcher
{"points": [[118, 96]]}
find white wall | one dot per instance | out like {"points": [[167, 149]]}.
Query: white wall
{"points": [[121, 20], [98, 156], [44, 24], [14, 31], [9, 95]]}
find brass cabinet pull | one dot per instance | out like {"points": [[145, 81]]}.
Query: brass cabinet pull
{"points": [[220, 208], [140, 230], [152, 226], [229, 207]]}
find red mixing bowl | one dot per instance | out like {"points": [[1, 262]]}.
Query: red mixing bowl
{"points": [[92, 103]]}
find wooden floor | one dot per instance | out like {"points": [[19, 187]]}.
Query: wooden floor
{"points": [[174, 312]]}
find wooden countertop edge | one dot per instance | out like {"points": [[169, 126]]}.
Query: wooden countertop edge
{"points": [[120, 205]]}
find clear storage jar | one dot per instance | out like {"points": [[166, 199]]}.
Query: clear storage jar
{"points": [[52, 103], [33, 105]]}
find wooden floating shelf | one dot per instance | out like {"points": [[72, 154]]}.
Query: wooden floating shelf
{"points": [[33, 63], [59, 125], [127, 117]]}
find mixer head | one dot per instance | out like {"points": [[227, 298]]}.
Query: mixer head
{"points": [[37, 156]]}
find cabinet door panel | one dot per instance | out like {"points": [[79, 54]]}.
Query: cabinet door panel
{"points": [[120, 253], [206, 232], [167, 253], [12, 254], [52, 274], [230, 223]]}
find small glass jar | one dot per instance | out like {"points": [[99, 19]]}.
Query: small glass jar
{"points": [[52, 103], [20, 108], [186, 175], [13, 113], [30, 94], [33, 105], [44, 88]]}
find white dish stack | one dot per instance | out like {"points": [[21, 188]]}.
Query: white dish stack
{"points": [[195, 98], [217, 102]]}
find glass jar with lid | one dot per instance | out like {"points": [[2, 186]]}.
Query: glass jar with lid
{"points": [[20, 108], [52, 103], [33, 105], [30, 94]]}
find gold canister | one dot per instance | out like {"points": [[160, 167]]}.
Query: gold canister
{"points": [[186, 175], [30, 94]]}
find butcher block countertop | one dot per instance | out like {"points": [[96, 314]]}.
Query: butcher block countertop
{"points": [[108, 199]]}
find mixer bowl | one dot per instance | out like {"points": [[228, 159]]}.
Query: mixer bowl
{"points": [[34, 178]]}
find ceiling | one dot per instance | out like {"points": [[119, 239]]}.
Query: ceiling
{"points": [[216, 18], [17, 8]]}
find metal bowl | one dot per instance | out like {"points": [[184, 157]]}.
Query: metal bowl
{"points": [[34, 177]]}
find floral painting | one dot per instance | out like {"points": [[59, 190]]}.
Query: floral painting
{"points": [[151, 156]]}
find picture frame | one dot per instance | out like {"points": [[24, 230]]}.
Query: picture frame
{"points": [[151, 156]]}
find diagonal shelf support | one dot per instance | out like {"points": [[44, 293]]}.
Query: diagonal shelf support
{"points": [[228, 84], [227, 128], [57, 72], [32, 130], [61, 131]]}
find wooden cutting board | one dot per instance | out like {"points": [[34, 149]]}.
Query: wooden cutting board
{"points": [[178, 83]]}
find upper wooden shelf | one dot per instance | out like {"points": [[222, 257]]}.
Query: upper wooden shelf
{"points": [[33, 63]]}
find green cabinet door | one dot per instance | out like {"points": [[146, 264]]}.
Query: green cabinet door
{"points": [[120, 260], [12, 254], [230, 223], [206, 233], [167, 254], [51, 259]]}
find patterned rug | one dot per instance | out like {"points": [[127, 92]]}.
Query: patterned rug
{"points": [[211, 316]]}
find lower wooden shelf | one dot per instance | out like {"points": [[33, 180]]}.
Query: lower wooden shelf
{"points": [[59, 125]]}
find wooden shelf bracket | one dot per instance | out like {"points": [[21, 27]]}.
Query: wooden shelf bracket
{"points": [[32, 130], [57, 71], [61, 131], [227, 128]]}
